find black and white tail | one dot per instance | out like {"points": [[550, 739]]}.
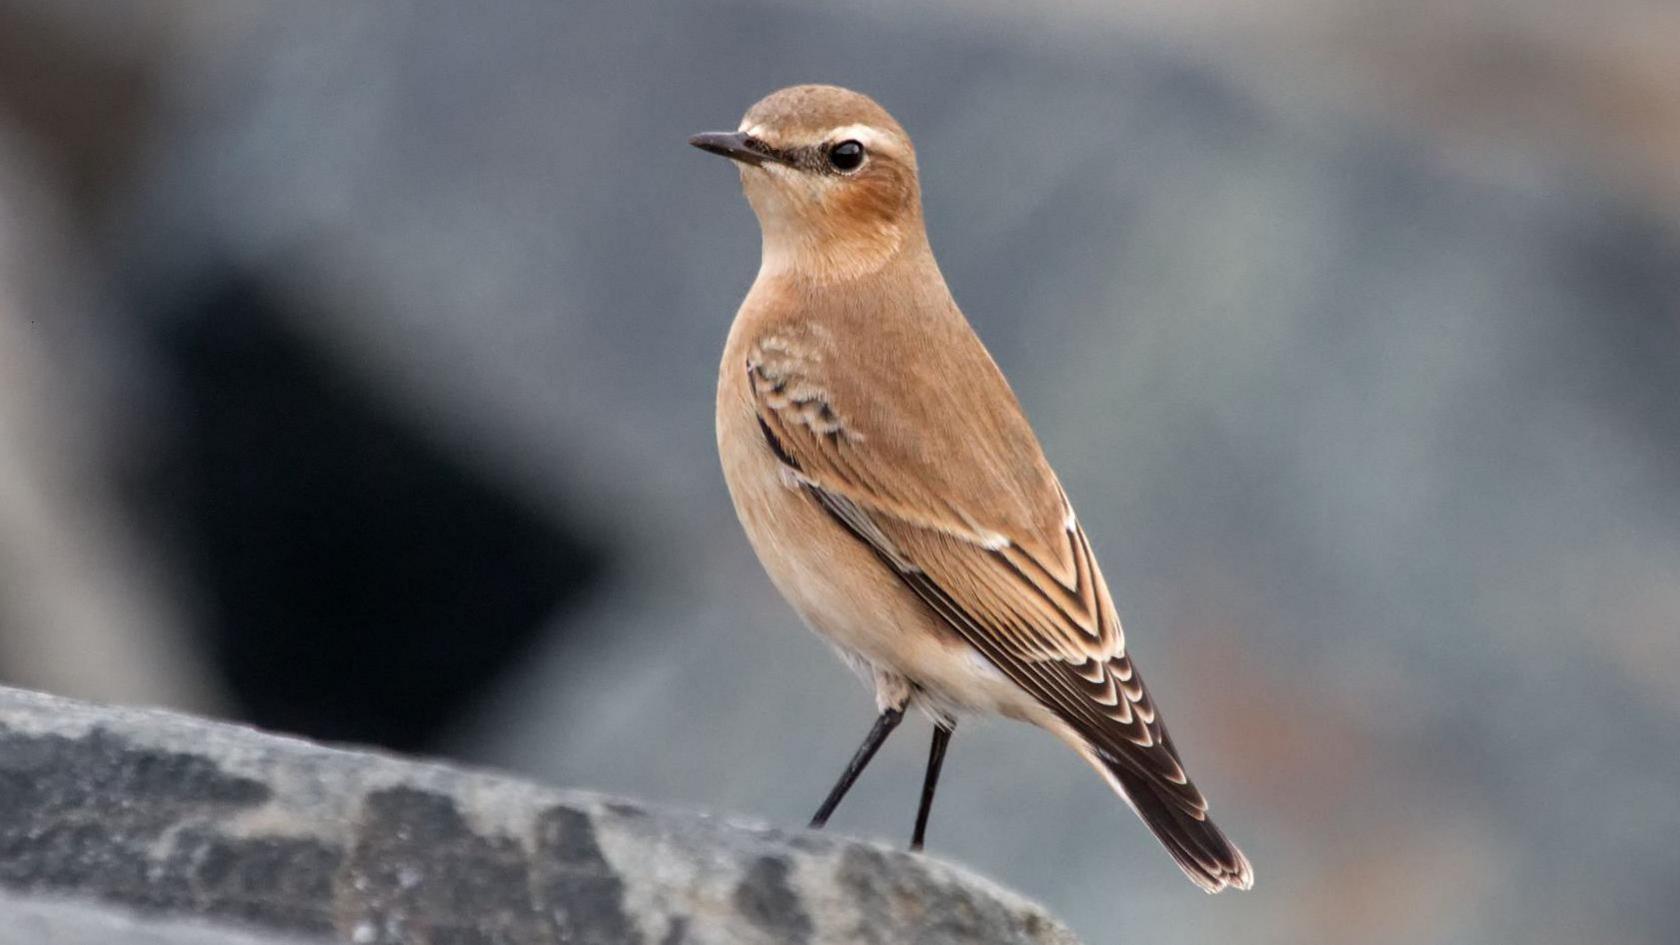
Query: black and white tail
{"points": [[1200, 849]]}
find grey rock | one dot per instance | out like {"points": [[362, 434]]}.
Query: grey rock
{"points": [[40, 920], [114, 811]]}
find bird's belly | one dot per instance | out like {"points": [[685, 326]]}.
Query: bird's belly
{"points": [[842, 590]]}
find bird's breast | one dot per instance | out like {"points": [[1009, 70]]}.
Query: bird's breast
{"points": [[839, 587]]}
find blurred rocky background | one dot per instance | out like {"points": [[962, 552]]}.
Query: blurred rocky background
{"points": [[356, 366]]}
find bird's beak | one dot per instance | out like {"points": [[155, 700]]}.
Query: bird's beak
{"points": [[736, 146]]}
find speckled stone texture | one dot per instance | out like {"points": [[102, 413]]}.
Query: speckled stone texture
{"points": [[185, 826]]}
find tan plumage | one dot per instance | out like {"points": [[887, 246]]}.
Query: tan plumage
{"points": [[891, 484]]}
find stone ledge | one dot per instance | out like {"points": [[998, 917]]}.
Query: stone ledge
{"points": [[172, 819], [43, 920]]}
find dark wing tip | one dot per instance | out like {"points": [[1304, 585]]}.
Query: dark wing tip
{"points": [[1197, 845]]}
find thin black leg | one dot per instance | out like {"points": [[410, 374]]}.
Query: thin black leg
{"points": [[884, 724], [936, 759]]}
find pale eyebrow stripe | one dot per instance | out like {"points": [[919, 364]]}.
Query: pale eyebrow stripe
{"points": [[871, 137], [867, 135]]}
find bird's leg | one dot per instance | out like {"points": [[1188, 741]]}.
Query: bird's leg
{"points": [[942, 730], [884, 724]]}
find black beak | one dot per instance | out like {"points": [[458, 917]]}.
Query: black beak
{"points": [[736, 146]]}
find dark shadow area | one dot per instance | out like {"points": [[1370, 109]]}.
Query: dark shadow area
{"points": [[363, 585]]}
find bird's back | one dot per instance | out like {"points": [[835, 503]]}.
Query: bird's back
{"points": [[894, 358]]}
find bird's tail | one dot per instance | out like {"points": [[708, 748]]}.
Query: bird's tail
{"points": [[1201, 850]]}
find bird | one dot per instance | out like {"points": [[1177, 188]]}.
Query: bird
{"points": [[890, 483]]}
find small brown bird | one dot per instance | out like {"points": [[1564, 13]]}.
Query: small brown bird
{"points": [[893, 489]]}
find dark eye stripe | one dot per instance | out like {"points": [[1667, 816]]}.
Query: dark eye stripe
{"points": [[810, 157]]}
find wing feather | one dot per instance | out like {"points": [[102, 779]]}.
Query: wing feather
{"points": [[1036, 608]]}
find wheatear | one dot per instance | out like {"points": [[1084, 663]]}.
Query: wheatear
{"points": [[894, 490]]}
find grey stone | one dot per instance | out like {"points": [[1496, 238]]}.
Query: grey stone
{"points": [[42, 920], [145, 826]]}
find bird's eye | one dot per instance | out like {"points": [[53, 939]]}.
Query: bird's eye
{"points": [[846, 156]]}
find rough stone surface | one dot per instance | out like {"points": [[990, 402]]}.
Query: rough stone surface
{"points": [[165, 819], [38, 920]]}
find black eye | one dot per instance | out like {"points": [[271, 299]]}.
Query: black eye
{"points": [[846, 156]]}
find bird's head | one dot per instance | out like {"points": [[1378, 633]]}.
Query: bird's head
{"points": [[832, 178]]}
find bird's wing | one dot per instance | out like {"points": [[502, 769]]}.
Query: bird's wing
{"points": [[976, 524]]}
